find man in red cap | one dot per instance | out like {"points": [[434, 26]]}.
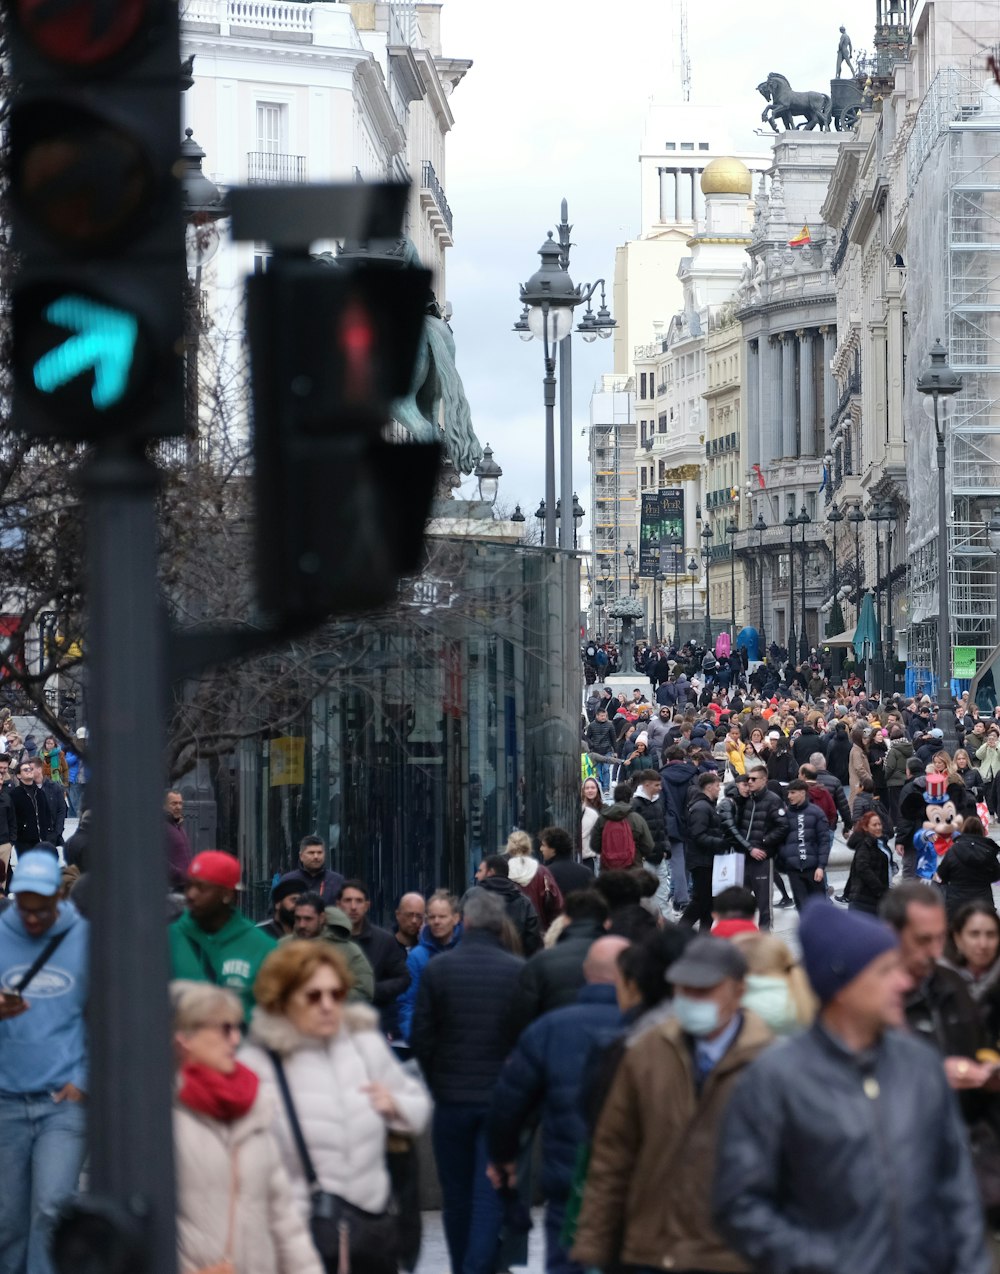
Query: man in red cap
{"points": [[212, 942]]}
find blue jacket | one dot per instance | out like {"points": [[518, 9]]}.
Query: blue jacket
{"points": [[416, 961], [46, 1047], [546, 1071], [676, 777]]}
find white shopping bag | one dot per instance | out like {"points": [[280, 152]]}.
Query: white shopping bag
{"points": [[727, 870]]}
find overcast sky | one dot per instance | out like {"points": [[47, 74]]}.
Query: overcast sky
{"points": [[554, 107]]}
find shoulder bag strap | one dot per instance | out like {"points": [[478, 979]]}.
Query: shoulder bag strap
{"points": [[203, 960], [41, 959], [234, 1190], [300, 1142]]}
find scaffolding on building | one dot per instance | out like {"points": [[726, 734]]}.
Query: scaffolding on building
{"points": [[961, 113], [613, 497]]}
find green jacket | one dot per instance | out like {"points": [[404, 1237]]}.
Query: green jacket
{"points": [[230, 958], [338, 931]]}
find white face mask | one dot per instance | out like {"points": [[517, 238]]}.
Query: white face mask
{"points": [[768, 997], [696, 1017]]}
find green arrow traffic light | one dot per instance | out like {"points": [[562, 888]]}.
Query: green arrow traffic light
{"points": [[103, 341]]}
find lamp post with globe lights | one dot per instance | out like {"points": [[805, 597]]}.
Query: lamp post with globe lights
{"points": [[835, 624], [675, 543], [803, 520], [791, 521], [939, 384], [760, 526], [707, 536], [732, 530]]}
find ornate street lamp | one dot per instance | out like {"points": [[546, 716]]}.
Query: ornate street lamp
{"points": [[760, 526], [693, 572], [732, 530], [488, 474], [675, 543], [939, 384], [706, 552], [549, 297], [803, 520], [835, 624], [791, 521], [578, 515]]}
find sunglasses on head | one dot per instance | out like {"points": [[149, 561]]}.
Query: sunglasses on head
{"points": [[316, 994]]}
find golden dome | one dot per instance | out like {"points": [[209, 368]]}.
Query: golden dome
{"points": [[726, 177]]}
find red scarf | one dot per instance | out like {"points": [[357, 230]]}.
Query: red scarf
{"points": [[209, 1092]]}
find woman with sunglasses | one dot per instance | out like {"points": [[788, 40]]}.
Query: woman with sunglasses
{"points": [[234, 1198], [346, 1087]]}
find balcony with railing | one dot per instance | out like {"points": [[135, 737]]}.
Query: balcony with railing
{"points": [[269, 168], [434, 203]]}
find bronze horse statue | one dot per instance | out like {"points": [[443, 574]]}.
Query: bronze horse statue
{"points": [[784, 102]]}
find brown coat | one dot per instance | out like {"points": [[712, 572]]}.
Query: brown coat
{"points": [[858, 768], [649, 1185]]}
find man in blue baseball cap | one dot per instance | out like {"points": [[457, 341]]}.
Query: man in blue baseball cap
{"points": [[43, 1060]]}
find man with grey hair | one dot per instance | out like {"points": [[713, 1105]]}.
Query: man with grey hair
{"points": [[461, 1033], [834, 786], [544, 1075]]}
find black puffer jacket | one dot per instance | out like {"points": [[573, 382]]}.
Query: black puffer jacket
{"points": [[761, 821], [807, 742], [838, 752], [392, 976], [551, 979], [870, 874], [520, 911], [705, 835], [729, 817], [807, 845], [836, 789], [463, 1023], [653, 814], [968, 871]]}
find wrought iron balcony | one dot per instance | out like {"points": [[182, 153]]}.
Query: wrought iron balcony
{"points": [[268, 168], [429, 182]]}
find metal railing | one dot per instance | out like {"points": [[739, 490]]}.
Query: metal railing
{"points": [[429, 181], [269, 168]]}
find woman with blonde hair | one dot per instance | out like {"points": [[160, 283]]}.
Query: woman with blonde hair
{"points": [[533, 879], [338, 1091], [776, 987], [234, 1199]]}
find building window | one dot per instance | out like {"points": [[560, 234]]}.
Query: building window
{"points": [[687, 145], [662, 425], [261, 257], [271, 131], [671, 145], [642, 384], [703, 145]]}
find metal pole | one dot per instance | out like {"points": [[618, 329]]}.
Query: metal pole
{"points": [[568, 524], [792, 652], [803, 637], [879, 663], [549, 385], [760, 551], [677, 612], [890, 645], [708, 600], [131, 1138], [946, 704], [732, 591], [835, 653]]}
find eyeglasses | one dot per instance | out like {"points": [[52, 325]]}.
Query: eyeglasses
{"points": [[321, 993], [224, 1028]]}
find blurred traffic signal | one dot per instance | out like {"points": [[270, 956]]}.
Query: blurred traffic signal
{"points": [[340, 510], [97, 218]]}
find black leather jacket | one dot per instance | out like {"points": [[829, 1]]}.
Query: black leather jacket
{"points": [[890, 1148]]}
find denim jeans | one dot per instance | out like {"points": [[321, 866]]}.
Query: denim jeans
{"points": [[662, 872], [473, 1211], [678, 871], [42, 1146]]}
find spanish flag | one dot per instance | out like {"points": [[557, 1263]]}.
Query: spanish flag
{"points": [[802, 239]]}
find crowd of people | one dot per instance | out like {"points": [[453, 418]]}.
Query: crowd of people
{"points": [[704, 1097]]}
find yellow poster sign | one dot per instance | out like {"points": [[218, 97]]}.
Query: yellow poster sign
{"points": [[288, 762]]}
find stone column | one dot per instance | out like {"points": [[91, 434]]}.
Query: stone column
{"points": [[807, 394], [677, 195], [829, 335], [771, 395], [752, 382], [788, 419], [661, 176]]}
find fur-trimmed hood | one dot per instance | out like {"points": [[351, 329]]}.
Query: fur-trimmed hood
{"points": [[275, 1033]]}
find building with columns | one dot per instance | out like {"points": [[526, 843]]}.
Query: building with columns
{"points": [[787, 308], [675, 446]]}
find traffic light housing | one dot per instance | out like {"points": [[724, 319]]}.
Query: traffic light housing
{"points": [[340, 510], [97, 218]]}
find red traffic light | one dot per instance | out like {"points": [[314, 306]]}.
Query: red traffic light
{"points": [[81, 33]]}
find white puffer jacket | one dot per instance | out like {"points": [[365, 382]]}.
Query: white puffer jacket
{"points": [[346, 1137], [269, 1235]]}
